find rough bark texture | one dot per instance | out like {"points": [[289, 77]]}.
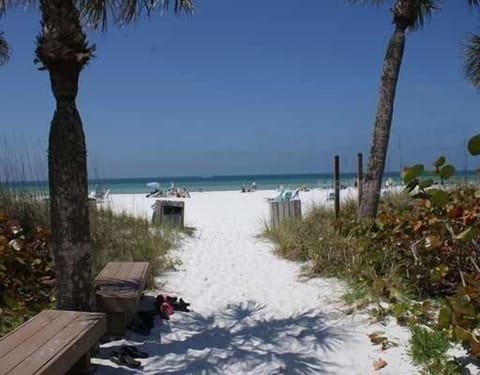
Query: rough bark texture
{"points": [[381, 131], [62, 50]]}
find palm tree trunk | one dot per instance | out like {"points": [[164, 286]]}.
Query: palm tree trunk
{"points": [[63, 51], [68, 193], [372, 183]]}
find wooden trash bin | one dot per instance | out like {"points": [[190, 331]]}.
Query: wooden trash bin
{"points": [[119, 287], [282, 210], [170, 212]]}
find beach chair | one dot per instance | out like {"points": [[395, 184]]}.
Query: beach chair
{"points": [[100, 195], [296, 195], [331, 196]]}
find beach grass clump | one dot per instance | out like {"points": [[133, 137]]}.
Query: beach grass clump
{"points": [[428, 350], [314, 238], [123, 237]]}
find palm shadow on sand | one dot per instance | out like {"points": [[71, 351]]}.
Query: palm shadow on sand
{"points": [[240, 339]]}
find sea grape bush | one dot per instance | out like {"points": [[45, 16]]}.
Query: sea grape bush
{"points": [[438, 245], [26, 271]]}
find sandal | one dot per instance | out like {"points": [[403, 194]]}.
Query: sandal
{"points": [[166, 310], [133, 352], [123, 359], [181, 306]]}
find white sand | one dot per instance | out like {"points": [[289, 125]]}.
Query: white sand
{"points": [[251, 312]]}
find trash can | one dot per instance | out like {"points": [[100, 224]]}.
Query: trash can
{"points": [[284, 210], [169, 212]]}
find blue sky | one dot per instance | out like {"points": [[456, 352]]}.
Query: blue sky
{"points": [[242, 87]]}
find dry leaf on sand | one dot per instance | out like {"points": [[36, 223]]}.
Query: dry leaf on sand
{"points": [[379, 364]]}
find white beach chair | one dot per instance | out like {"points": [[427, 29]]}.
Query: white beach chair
{"points": [[100, 195]]}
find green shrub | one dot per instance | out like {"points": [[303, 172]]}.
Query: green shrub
{"points": [[26, 271]]}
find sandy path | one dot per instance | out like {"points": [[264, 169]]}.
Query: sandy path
{"points": [[251, 313]]}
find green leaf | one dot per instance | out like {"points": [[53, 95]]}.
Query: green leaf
{"points": [[421, 195], [439, 162], [9, 300], [399, 309], [425, 183], [466, 235], [474, 145], [439, 198], [411, 173], [438, 273], [447, 171], [462, 334], [444, 317]]}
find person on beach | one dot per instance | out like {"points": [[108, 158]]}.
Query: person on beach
{"points": [[254, 186]]}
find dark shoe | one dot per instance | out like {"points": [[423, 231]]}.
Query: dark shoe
{"points": [[171, 300], [133, 352], [181, 306], [124, 359]]}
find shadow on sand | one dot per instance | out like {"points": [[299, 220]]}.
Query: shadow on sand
{"points": [[241, 340]]}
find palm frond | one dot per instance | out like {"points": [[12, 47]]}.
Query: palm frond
{"points": [[471, 57], [473, 3], [26, 4], [98, 13], [4, 50], [422, 11]]}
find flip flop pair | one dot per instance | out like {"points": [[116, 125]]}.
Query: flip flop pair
{"points": [[126, 356], [124, 359]]}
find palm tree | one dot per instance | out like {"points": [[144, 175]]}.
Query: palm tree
{"points": [[472, 60], [63, 50], [407, 15], [4, 50]]}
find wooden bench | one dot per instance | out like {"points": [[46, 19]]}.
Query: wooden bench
{"points": [[53, 342], [119, 287]]}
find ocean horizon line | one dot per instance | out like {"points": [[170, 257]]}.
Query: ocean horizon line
{"points": [[219, 176], [224, 176]]}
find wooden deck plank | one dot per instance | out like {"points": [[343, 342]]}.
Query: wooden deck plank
{"points": [[17, 336], [66, 347], [58, 322]]}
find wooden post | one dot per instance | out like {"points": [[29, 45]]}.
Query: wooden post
{"points": [[360, 176], [336, 176]]}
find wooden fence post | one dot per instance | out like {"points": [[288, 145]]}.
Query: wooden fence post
{"points": [[360, 176], [336, 176]]}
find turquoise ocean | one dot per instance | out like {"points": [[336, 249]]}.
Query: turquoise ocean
{"points": [[223, 183]]}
